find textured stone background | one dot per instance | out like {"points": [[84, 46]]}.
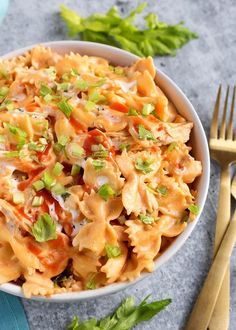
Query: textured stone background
{"points": [[198, 69]]}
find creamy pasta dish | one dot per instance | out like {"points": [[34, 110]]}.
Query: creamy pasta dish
{"points": [[95, 172]]}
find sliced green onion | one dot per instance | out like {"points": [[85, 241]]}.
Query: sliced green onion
{"points": [[57, 148], [74, 72], [91, 283], [94, 96], [48, 180], [147, 109], [106, 191], [4, 74], [119, 70], [51, 71], [144, 165], [45, 90], [58, 189], [89, 105], [2, 138], [63, 87], [60, 145], [75, 169], [81, 84], [146, 219], [57, 169], [65, 107], [112, 251], [99, 151], [37, 201], [76, 150], [18, 198], [98, 164], [124, 146], [38, 185], [132, 112], [172, 146], [11, 154], [144, 134], [98, 83], [63, 140], [4, 91], [15, 130], [36, 147], [48, 98], [162, 190], [193, 208]]}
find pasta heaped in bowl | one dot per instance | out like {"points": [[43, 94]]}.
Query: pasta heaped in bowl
{"points": [[95, 172]]}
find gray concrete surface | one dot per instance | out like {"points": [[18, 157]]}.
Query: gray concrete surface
{"points": [[198, 69]]}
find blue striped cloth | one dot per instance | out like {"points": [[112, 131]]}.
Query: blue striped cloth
{"points": [[12, 314]]}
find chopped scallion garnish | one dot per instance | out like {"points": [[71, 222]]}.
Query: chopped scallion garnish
{"points": [[81, 84], [4, 91], [45, 90], [147, 219], [38, 185], [144, 134], [37, 201], [132, 112], [75, 150], [112, 251], [98, 164], [58, 189], [65, 107], [89, 105], [48, 180], [106, 191], [193, 208], [57, 169], [147, 109], [75, 169]]}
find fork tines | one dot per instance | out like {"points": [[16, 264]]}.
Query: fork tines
{"points": [[223, 132]]}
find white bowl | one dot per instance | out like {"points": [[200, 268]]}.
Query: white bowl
{"points": [[198, 142]]}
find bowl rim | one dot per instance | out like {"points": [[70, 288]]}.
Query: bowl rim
{"points": [[205, 177]]}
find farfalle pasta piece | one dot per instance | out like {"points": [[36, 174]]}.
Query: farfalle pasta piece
{"points": [[42, 57], [114, 266], [135, 266], [146, 239], [98, 211], [85, 264], [108, 173], [9, 265]]}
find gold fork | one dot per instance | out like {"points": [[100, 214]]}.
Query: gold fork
{"points": [[223, 150]]}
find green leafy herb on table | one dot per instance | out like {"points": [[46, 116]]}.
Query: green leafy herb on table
{"points": [[125, 317], [157, 39]]}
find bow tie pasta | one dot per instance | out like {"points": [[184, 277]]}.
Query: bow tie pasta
{"points": [[96, 172]]}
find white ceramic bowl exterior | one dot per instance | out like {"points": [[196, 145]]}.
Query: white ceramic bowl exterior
{"points": [[198, 142]]}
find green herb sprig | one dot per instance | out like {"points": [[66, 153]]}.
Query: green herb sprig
{"points": [[125, 317], [158, 38]]}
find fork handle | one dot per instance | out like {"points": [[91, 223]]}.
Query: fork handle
{"points": [[202, 311], [220, 316]]}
